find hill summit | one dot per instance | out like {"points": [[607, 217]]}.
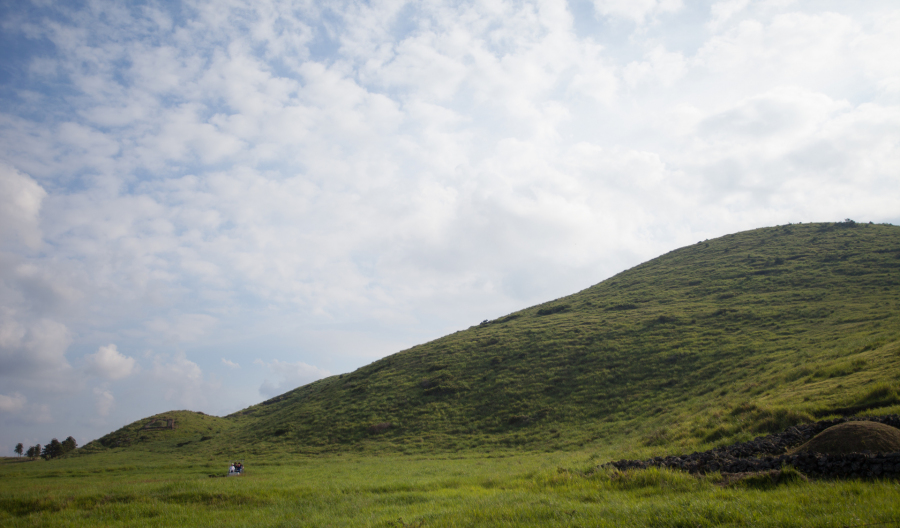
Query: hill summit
{"points": [[713, 342]]}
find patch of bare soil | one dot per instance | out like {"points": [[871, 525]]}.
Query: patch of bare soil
{"points": [[854, 437]]}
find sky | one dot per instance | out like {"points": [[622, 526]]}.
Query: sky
{"points": [[204, 204]]}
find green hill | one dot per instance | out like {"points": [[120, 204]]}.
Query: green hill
{"points": [[717, 341]]}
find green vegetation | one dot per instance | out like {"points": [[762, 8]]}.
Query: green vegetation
{"points": [[137, 488], [712, 343], [54, 449], [509, 422]]}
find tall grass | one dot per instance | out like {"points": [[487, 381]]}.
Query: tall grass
{"points": [[523, 489]]}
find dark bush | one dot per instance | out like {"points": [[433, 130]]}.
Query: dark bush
{"points": [[553, 309], [380, 427]]}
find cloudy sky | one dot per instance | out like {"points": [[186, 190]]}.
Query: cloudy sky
{"points": [[204, 204]]}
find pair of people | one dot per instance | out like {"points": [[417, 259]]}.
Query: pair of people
{"points": [[236, 467]]}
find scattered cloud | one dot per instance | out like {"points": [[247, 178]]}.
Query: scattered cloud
{"points": [[32, 352], [660, 66], [721, 12], [20, 205], [230, 364], [638, 11], [104, 401], [17, 412], [185, 328], [181, 381], [12, 404], [292, 375], [107, 362]]}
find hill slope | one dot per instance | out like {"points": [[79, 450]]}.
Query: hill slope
{"points": [[719, 340]]}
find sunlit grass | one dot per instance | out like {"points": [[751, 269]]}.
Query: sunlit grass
{"points": [[524, 489]]}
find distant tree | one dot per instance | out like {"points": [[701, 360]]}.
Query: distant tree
{"points": [[37, 451], [52, 450], [18, 449], [68, 445]]}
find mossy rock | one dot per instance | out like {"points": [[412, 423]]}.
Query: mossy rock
{"points": [[854, 437]]}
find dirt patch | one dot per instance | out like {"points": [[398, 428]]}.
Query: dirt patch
{"points": [[380, 427], [854, 437]]}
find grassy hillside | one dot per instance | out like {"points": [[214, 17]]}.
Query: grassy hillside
{"points": [[173, 429], [714, 342]]}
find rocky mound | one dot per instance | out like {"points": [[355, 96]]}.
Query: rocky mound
{"points": [[757, 455], [854, 437]]}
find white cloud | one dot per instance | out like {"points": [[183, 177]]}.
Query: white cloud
{"points": [[176, 368], [20, 206], [791, 48], [723, 11], [12, 404], [230, 364], [873, 51], [792, 149], [109, 363], [777, 114], [33, 352], [15, 411], [186, 327], [598, 82], [104, 401], [660, 66], [292, 375], [636, 10], [181, 381]]}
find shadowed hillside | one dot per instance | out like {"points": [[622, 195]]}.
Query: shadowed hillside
{"points": [[709, 343]]}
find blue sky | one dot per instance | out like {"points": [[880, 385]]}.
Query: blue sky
{"points": [[205, 204]]}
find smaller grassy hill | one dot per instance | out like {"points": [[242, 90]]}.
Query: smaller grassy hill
{"points": [[172, 430]]}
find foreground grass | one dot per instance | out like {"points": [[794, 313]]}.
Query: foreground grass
{"points": [[500, 489]]}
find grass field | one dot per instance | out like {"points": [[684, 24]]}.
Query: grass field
{"points": [[496, 489]]}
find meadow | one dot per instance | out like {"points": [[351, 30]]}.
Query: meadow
{"points": [[470, 489]]}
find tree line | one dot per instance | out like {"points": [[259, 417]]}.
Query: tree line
{"points": [[52, 450]]}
